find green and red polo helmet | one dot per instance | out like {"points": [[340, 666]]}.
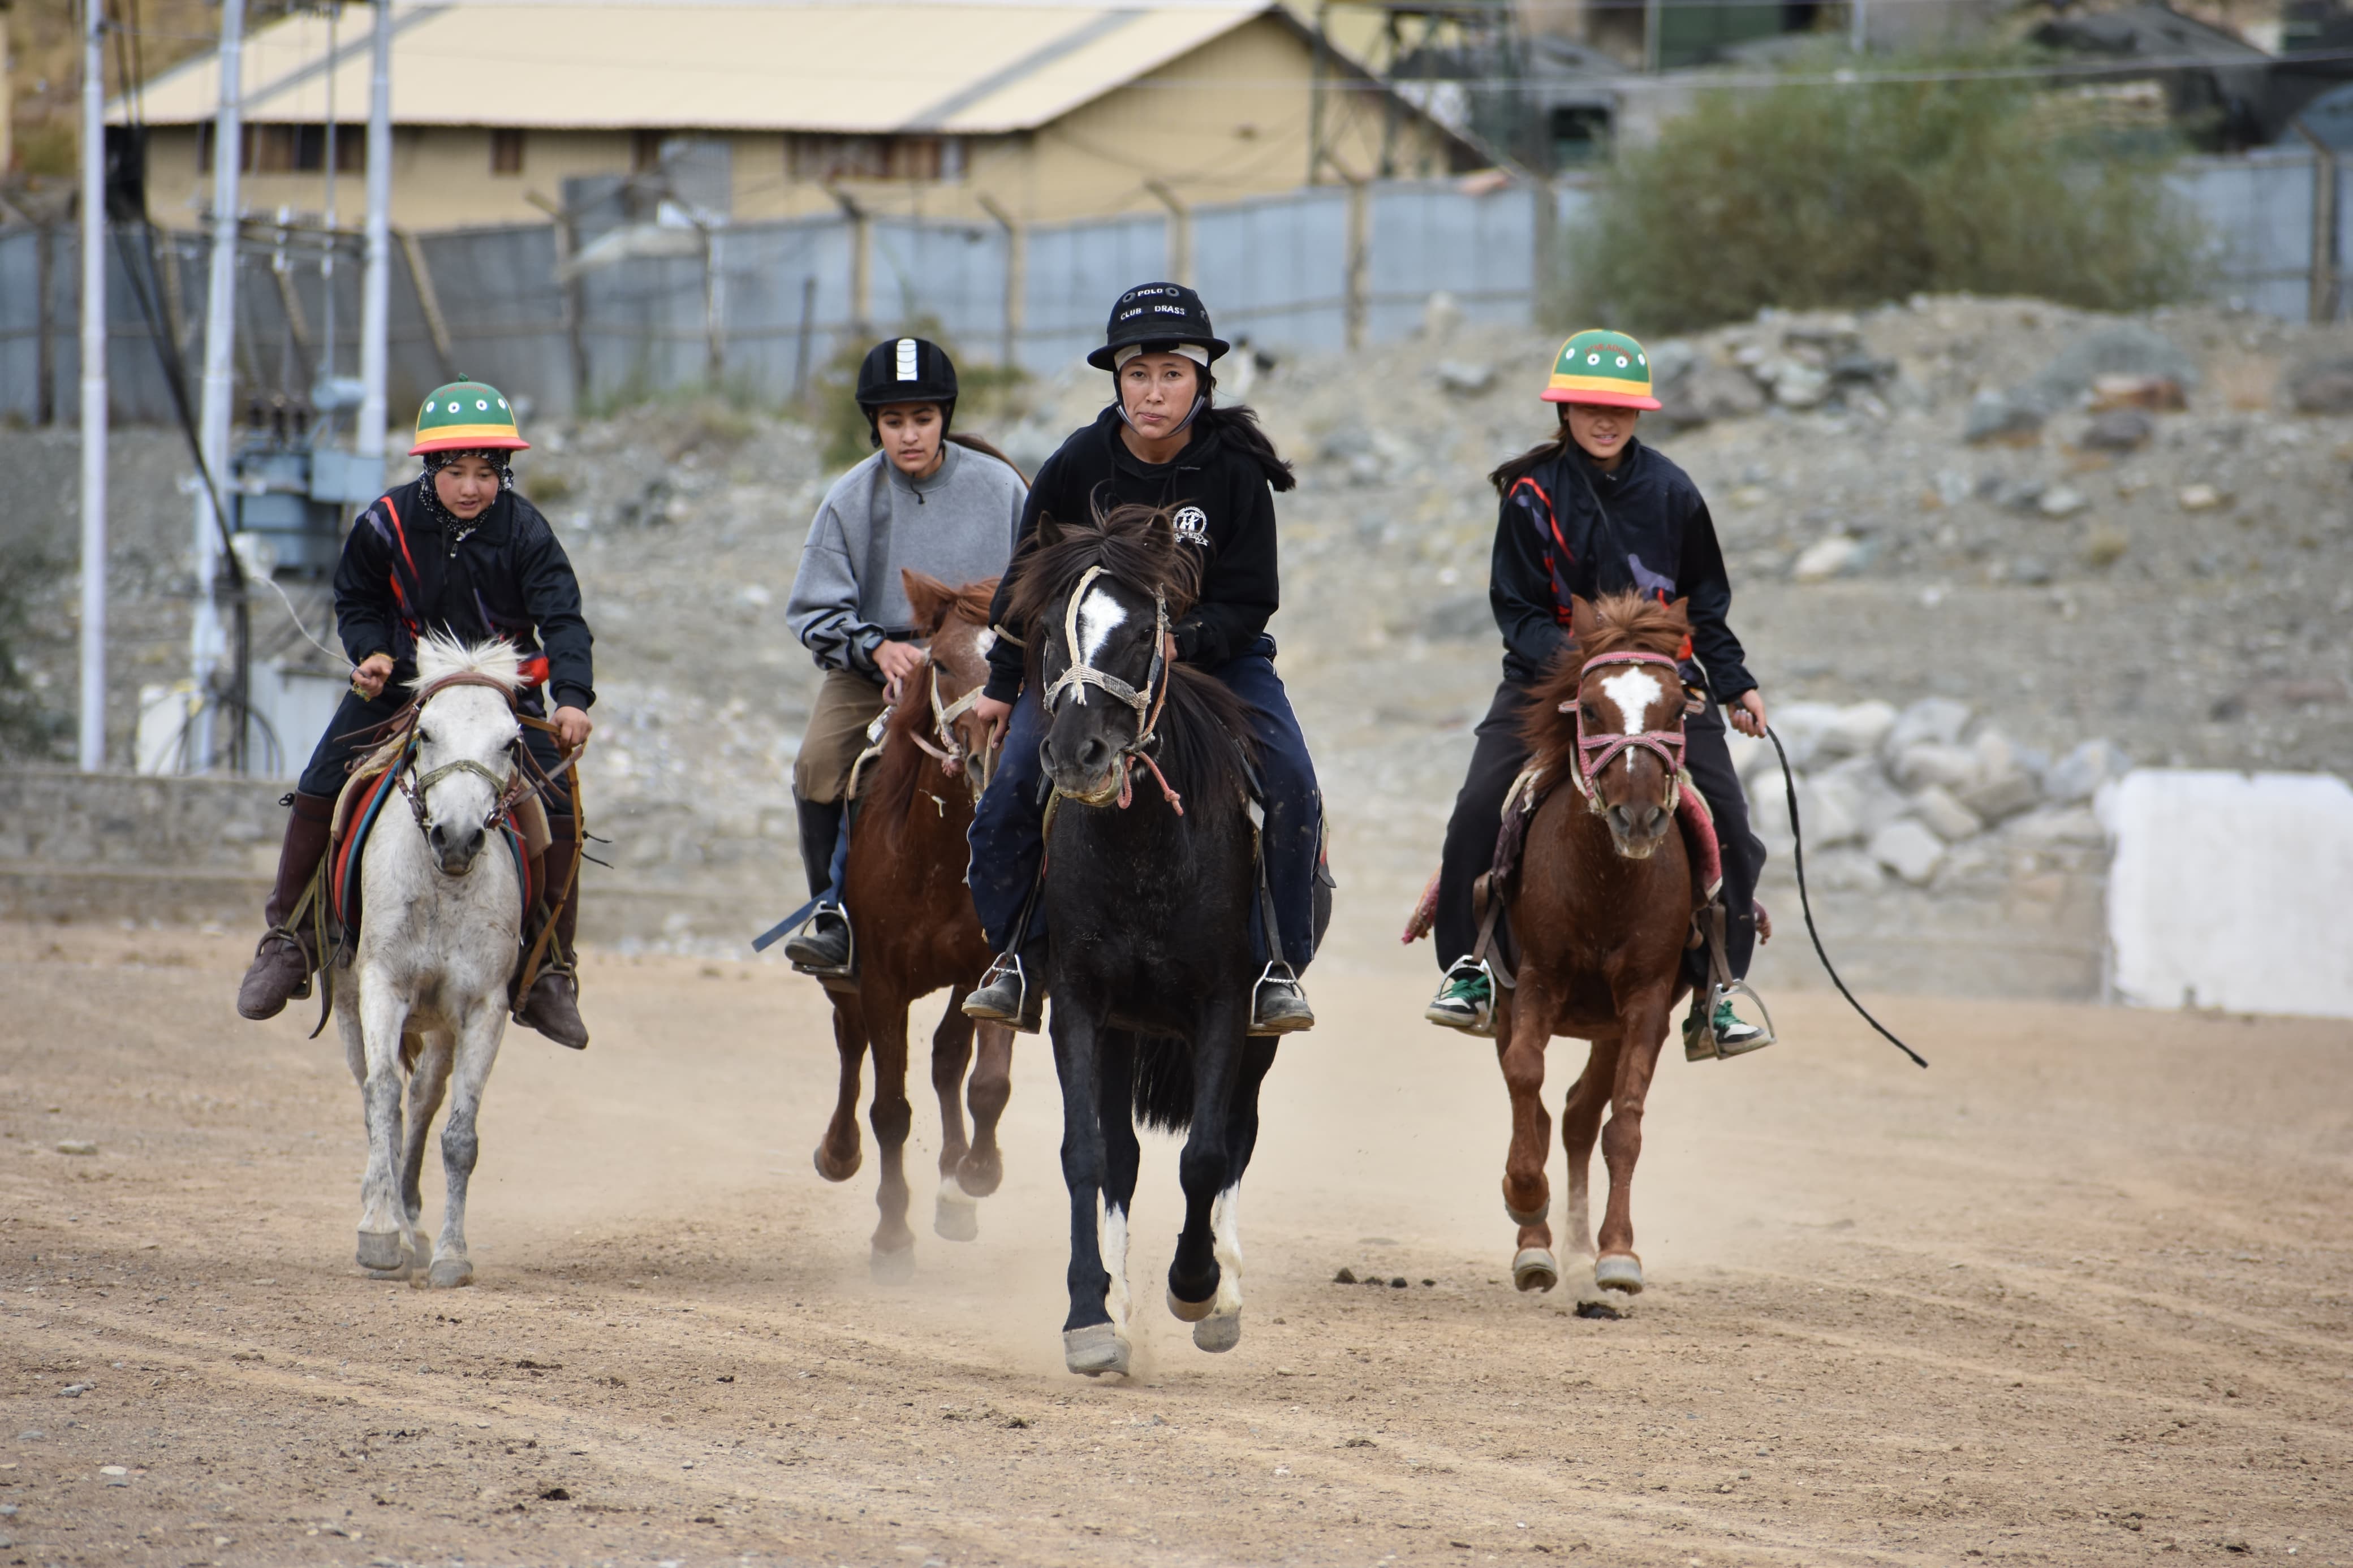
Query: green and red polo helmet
{"points": [[467, 416], [1606, 368]]}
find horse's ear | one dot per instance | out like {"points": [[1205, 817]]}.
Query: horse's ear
{"points": [[1681, 610], [930, 598], [1582, 620], [1047, 533]]}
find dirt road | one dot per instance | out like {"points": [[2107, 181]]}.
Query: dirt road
{"points": [[2080, 1294]]}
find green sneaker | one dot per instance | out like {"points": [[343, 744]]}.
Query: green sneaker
{"points": [[1465, 1001]]}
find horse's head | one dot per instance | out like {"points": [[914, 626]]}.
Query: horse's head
{"points": [[465, 735], [955, 626], [1099, 599], [1613, 711]]}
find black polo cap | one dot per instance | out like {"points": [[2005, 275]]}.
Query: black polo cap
{"points": [[1156, 317]]}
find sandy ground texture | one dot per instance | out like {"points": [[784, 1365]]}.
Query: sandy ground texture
{"points": [[2078, 1294]]}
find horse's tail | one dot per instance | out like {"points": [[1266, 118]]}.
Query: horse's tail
{"points": [[1163, 1084]]}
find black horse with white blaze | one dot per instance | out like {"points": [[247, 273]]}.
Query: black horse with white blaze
{"points": [[1151, 872]]}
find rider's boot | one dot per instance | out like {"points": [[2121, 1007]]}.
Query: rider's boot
{"points": [[552, 1005], [1465, 999], [1278, 1005], [820, 825], [1724, 1034], [1013, 992], [822, 945], [281, 965]]}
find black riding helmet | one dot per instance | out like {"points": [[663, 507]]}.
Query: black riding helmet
{"points": [[906, 370], [1158, 318]]}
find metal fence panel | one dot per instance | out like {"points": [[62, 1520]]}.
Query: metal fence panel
{"points": [[1275, 270], [1076, 270], [2258, 209]]}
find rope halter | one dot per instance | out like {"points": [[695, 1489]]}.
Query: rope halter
{"points": [[505, 790], [1595, 753], [1145, 704], [953, 755]]}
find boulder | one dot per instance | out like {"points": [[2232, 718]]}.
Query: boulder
{"points": [[2058, 827], [1857, 729], [2083, 770], [2061, 500], [2001, 796], [1937, 719], [2118, 430], [1834, 556], [1710, 392], [1909, 850], [2115, 349], [2202, 498], [1847, 871], [2320, 385], [1927, 762], [1830, 810], [1801, 726], [2159, 392], [1800, 385], [1993, 417], [1944, 816], [1465, 379]]}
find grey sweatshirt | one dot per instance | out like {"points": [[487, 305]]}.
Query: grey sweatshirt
{"points": [[957, 526]]}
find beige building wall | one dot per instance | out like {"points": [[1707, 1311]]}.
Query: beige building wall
{"points": [[1229, 120]]}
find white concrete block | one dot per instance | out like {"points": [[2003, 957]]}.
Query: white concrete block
{"points": [[1948, 819], [1909, 850]]}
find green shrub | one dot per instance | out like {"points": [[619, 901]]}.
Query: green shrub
{"points": [[1813, 194], [29, 732]]}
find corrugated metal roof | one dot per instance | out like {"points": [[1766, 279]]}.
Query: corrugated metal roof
{"points": [[972, 67]]}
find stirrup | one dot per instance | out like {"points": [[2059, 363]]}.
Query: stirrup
{"points": [[848, 968], [1293, 1023], [1482, 1022], [1021, 1016], [1701, 1042]]}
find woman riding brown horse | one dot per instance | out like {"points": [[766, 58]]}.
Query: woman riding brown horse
{"points": [[1602, 909], [915, 931]]}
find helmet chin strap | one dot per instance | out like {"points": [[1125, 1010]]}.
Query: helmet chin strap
{"points": [[1200, 402]]}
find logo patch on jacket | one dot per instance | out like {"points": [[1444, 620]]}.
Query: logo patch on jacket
{"points": [[1192, 525]]}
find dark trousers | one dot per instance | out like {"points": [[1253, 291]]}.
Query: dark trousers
{"points": [[1007, 829], [353, 733], [1496, 760]]}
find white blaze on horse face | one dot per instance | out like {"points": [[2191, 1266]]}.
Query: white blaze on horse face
{"points": [[1100, 615], [1633, 690]]}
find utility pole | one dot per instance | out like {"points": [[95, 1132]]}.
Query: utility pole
{"points": [[220, 387], [375, 295], [92, 748]]}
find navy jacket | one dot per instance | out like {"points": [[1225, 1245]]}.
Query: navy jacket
{"points": [[1569, 528], [1223, 506], [400, 576]]}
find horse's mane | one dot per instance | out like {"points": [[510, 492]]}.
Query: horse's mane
{"points": [[1621, 622], [440, 656], [1204, 728]]}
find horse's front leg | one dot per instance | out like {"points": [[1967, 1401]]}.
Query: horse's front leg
{"points": [[955, 1216], [1580, 1127], [836, 1153], [1642, 1029], [478, 1035], [892, 1254], [1092, 1343], [1205, 1169], [990, 1089], [1123, 1157], [428, 1080], [382, 1015], [1223, 1328], [1527, 1195]]}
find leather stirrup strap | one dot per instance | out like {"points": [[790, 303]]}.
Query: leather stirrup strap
{"points": [[535, 960]]}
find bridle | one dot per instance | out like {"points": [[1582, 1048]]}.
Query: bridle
{"points": [[507, 789], [953, 756], [1145, 704], [1595, 753]]}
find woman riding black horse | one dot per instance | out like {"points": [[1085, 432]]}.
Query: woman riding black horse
{"points": [[456, 551], [1161, 444]]}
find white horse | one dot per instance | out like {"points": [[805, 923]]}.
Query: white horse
{"points": [[441, 919]]}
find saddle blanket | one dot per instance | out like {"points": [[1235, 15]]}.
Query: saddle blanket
{"points": [[356, 811]]}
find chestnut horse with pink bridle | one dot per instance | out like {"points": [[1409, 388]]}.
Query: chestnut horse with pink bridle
{"points": [[1602, 909]]}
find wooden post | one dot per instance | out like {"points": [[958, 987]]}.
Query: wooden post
{"points": [[801, 338], [1546, 197], [1017, 279], [861, 262], [714, 297], [2321, 289], [420, 275], [45, 352], [567, 244], [1180, 231], [1358, 312]]}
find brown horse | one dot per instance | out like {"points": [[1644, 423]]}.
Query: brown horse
{"points": [[1602, 909], [914, 931]]}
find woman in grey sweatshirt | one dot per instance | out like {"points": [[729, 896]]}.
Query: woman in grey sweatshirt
{"points": [[946, 505]]}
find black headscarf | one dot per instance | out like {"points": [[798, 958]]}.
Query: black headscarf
{"points": [[458, 527]]}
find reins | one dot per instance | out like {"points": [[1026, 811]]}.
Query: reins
{"points": [[1147, 704], [1595, 753]]}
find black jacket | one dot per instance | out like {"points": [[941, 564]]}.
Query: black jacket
{"points": [[1223, 506], [1569, 528], [507, 577]]}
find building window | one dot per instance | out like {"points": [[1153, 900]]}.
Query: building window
{"points": [[506, 150], [289, 149], [823, 159]]}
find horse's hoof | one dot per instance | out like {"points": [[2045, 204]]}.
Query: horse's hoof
{"points": [[892, 1266], [1218, 1333], [838, 1173], [1094, 1349], [1619, 1271], [979, 1176], [383, 1252], [1185, 1312], [1536, 1269], [955, 1217], [450, 1273]]}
